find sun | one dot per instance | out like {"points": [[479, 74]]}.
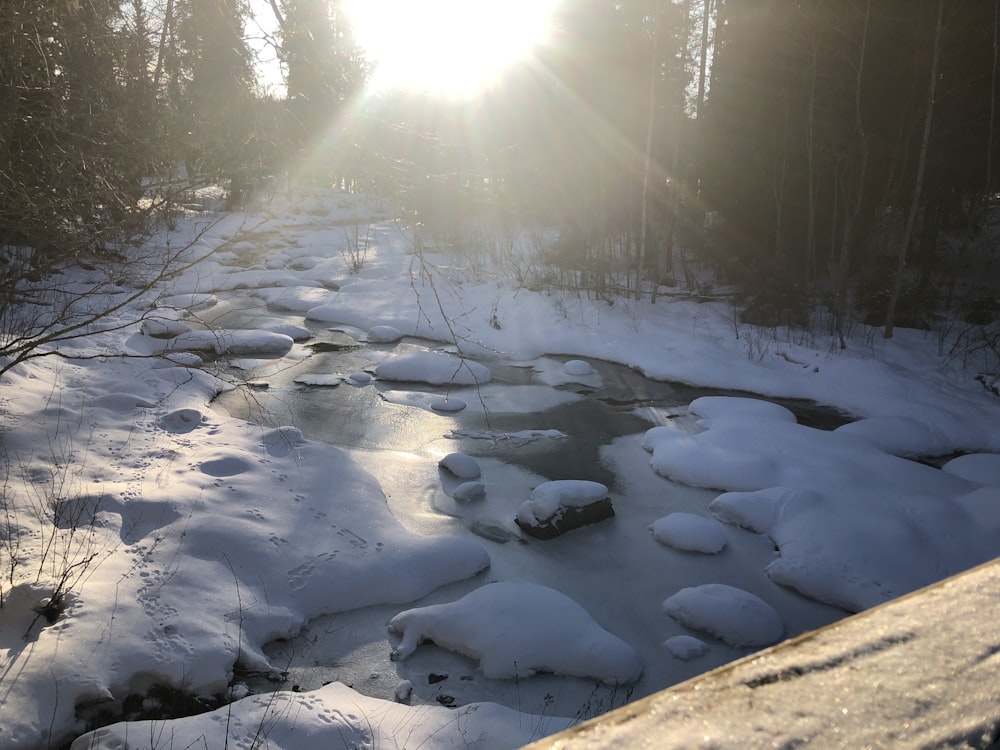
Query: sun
{"points": [[454, 48]]}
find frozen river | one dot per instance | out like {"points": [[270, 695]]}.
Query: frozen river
{"points": [[524, 427]]}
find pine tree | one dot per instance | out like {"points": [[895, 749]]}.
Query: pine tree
{"points": [[216, 84]]}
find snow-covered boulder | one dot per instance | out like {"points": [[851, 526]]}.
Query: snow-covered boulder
{"points": [[384, 334], [461, 465], [517, 630], [294, 332], [434, 368], [685, 647], [689, 532], [468, 491], [563, 505], [163, 328], [732, 615], [577, 367]]}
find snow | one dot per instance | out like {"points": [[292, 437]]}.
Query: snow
{"points": [[688, 532], [686, 647], [575, 371], [549, 498], [384, 334], [983, 468], [334, 717], [435, 368], [190, 540], [730, 614], [461, 465], [518, 629], [469, 491]]}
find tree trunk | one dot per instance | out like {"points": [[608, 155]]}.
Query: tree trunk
{"points": [[840, 268], [648, 163], [918, 186]]}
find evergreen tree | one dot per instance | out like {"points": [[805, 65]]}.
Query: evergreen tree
{"points": [[216, 83], [70, 162]]}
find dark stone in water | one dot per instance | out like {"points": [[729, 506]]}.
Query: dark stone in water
{"points": [[494, 532], [569, 518]]}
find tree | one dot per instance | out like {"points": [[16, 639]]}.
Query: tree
{"points": [[69, 160], [215, 79], [324, 72], [919, 179]]}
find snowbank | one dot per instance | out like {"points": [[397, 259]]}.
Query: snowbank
{"points": [[517, 630]]}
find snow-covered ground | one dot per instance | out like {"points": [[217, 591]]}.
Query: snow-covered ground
{"points": [[188, 540]]}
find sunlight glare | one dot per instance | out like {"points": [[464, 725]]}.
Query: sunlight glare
{"points": [[446, 47]]}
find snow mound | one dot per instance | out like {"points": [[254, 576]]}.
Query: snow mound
{"points": [[732, 615], [188, 302], [334, 717], [701, 461], [982, 468], [551, 372], [163, 328], [685, 647], [518, 630], [689, 532], [297, 299], [577, 367], [294, 332], [468, 491], [384, 334], [854, 551], [461, 465], [448, 405], [710, 408], [434, 368], [220, 342], [900, 436]]}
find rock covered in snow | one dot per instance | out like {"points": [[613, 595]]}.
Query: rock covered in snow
{"points": [[448, 405], [163, 328], [577, 367], [403, 692], [461, 465], [435, 368], [563, 505], [732, 615], [294, 332], [384, 334], [685, 647], [468, 491], [518, 630], [690, 533]]}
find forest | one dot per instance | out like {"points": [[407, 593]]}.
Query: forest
{"points": [[828, 163]]}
